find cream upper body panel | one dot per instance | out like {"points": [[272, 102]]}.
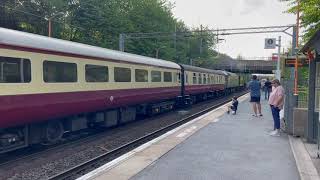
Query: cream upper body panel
{"points": [[28, 40], [211, 78], [37, 84]]}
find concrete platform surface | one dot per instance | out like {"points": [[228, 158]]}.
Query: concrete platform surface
{"points": [[235, 147]]}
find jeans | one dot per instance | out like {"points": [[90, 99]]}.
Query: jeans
{"points": [[276, 116], [266, 93]]}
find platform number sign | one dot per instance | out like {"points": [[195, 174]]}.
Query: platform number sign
{"points": [[270, 43]]}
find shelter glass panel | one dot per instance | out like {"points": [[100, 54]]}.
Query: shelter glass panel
{"points": [[59, 72], [14, 70], [141, 75], [167, 77], [122, 74], [96, 73], [156, 76]]}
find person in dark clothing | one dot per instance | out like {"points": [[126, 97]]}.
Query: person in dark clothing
{"points": [[267, 89], [234, 106], [255, 88]]}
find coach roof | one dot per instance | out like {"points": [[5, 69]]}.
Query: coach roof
{"points": [[199, 69], [42, 43]]}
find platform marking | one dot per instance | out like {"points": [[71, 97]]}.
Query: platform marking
{"points": [[97, 172], [187, 131], [181, 135], [215, 120]]}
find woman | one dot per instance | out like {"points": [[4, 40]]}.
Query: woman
{"points": [[276, 100]]}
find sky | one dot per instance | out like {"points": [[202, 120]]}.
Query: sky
{"points": [[237, 14]]}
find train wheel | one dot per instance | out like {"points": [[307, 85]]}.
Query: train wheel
{"points": [[54, 131]]}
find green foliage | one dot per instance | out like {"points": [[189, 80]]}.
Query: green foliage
{"points": [[100, 22], [310, 15]]}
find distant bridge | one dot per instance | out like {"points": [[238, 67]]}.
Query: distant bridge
{"points": [[247, 66]]}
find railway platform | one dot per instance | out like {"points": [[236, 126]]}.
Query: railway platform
{"points": [[216, 146]]}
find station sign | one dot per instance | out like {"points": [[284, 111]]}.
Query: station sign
{"points": [[302, 62], [270, 43]]}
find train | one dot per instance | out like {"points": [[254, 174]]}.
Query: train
{"points": [[49, 87]]}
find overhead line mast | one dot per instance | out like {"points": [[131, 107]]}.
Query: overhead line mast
{"points": [[297, 49]]}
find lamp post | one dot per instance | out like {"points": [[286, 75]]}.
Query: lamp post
{"points": [[50, 23]]}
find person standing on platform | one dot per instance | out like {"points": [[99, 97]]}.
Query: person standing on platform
{"points": [[276, 101], [254, 87], [267, 89]]}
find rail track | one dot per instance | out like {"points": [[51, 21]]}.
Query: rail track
{"points": [[96, 162]]}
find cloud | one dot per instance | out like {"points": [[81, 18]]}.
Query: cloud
{"points": [[250, 6]]}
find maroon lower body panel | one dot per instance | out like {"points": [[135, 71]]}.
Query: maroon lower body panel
{"points": [[198, 89], [24, 109]]}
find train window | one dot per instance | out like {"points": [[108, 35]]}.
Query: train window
{"points": [[194, 78], [204, 79], [186, 78], [141, 75], [122, 74], [179, 77], [14, 70], [55, 72], [156, 76], [96, 73], [175, 78], [199, 79], [167, 77]]}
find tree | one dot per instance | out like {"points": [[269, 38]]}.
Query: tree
{"points": [[100, 22], [310, 15]]}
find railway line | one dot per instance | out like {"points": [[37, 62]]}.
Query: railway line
{"points": [[71, 160]]}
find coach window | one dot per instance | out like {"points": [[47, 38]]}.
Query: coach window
{"points": [[187, 78], [156, 76], [141, 75], [199, 79], [167, 77], [14, 70], [194, 78], [204, 79], [122, 74], [96, 73], [55, 72], [179, 77]]}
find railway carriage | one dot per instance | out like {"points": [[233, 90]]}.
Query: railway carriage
{"points": [[50, 86], [233, 82], [201, 83], [74, 86]]}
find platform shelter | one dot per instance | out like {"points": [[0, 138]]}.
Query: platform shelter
{"points": [[312, 50]]}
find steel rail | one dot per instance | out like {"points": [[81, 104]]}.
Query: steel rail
{"points": [[96, 162]]}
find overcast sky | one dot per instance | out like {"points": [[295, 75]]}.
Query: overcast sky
{"points": [[235, 14]]}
